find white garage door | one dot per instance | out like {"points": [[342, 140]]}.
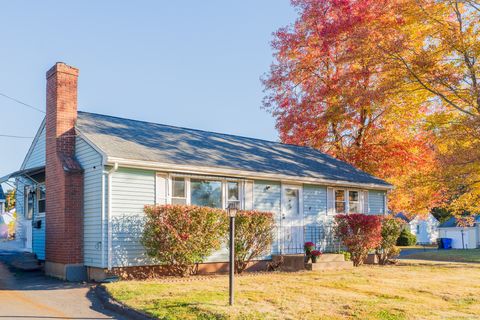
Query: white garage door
{"points": [[456, 236]]}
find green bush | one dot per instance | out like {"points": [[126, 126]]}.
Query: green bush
{"points": [[386, 251], [253, 236], [181, 236], [406, 238], [346, 255]]}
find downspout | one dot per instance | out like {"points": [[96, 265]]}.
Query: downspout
{"points": [[102, 201], [109, 213]]}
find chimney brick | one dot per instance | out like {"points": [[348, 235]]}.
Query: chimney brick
{"points": [[63, 173]]}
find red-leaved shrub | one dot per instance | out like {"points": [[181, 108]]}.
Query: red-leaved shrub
{"points": [[180, 236], [360, 233]]}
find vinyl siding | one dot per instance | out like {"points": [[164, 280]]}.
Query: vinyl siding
{"points": [[91, 162], [314, 203], [131, 190], [36, 158], [376, 201], [267, 197], [38, 240]]}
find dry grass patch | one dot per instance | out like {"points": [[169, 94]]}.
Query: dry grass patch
{"points": [[406, 291]]}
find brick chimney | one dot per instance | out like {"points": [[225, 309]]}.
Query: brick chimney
{"points": [[63, 177]]}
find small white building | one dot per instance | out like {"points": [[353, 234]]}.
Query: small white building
{"points": [[462, 237], [425, 228]]}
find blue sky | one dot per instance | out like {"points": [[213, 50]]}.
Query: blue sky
{"points": [[188, 63]]}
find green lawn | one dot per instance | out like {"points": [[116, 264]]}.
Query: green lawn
{"points": [[456, 255], [410, 290]]}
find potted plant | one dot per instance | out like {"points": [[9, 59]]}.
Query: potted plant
{"points": [[315, 254], [309, 247]]}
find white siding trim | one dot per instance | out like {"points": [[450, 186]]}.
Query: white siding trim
{"points": [[330, 201], [248, 195], [161, 188], [241, 174]]}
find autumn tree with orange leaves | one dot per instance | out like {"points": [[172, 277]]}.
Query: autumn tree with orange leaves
{"points": [[333, 88]]}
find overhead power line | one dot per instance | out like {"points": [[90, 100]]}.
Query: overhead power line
{"points": [[21, 102], [10, 136]]}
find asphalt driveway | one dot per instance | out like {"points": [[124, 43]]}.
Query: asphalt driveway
{"points": [[31, 295]]}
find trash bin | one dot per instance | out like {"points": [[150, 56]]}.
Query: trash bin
{"points": [[439, 243], [447, 243]]}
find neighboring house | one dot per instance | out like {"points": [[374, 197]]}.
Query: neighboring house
{"points": [[87, 177], [6, 218], [463, 237], [3, 200], [425, 228]]}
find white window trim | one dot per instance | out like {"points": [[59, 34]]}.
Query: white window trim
{"points": [[360, 204], [345, 200], [187, 189], [37, 194], [188, 194]]}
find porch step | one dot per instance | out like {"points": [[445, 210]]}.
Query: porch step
{"points": [[327, 257], [329, 265], [27, 262], [291, 262]]}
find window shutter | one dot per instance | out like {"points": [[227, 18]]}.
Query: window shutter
{"points": [[161, 188], [248, 195], [330, 202], [366, 209], [385, 204]]}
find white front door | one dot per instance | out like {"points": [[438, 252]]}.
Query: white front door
{"points": [[291, 236]]}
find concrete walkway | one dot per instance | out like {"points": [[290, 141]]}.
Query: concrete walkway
{"points": [[31, 295]]}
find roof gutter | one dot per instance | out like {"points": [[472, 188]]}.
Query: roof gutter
{"points": [[245, 174]]}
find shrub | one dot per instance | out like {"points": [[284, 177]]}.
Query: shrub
{"points": [[346, 255], [360, 233], [253, 236], [387, 250], [406, 238], [181, 236]]}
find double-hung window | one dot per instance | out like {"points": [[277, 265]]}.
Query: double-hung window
{"points": [[340, 201], [354, 202], [347, 201], [41, 198], [179, 190]]}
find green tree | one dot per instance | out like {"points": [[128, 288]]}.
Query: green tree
{"points": [[10, 200], [391, 229]]}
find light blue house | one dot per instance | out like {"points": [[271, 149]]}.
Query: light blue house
{"points": [[128, 164]]}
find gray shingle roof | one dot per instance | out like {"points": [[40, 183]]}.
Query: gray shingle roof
{"points": [[402, 216], [452, 222], [138, 140]]}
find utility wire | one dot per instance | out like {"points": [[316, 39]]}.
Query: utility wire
{"points": [[23, 103], [19, 137]]}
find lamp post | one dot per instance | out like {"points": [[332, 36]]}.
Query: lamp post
{"points": [[232, 212]]}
